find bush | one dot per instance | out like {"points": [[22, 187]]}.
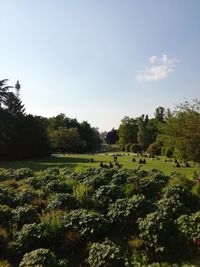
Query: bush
{"points": [[168, 152], [6, 174], [62, 201], [24, 215], [127, 147], [30, 237], [87, 224], [124, 213], [39, 257], [56, 186], [161, 237], [189, 226], [106, 195], [22, 173], [106, 254], [154, 149], [25, 196], [5, 215], [135, 148]]}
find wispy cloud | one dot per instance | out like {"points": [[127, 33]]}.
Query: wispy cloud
{"points": [[157, 68]]}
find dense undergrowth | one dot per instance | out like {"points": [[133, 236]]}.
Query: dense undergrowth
{"points": [[102, 217]]}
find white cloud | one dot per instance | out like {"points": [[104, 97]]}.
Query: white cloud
{"points": [[158, 68]]}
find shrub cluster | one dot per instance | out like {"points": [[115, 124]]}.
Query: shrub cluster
{"points": [[101, 217]]}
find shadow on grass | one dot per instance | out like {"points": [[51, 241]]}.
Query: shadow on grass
{"points": [[41, 164]]}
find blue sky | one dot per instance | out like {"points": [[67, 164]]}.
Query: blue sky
{"points": [[101, 60]]}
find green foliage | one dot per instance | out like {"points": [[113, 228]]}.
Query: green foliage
{"points": [[124, 213], [189, 226], [25, 196], [127, 131], [22, 173], [88, 224], [153, 218], [62, 201], [31, 236], [182, 131], [106, 195], [127, 147], [65, 140], [154, 149], [160, 236], [112, 137], [56, 186], [135, 148], [39, 257], [106, 254], [5, 215], [24, 215]]}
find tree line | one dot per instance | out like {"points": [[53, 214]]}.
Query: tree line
{"points": [[172, 133], [24, 136]]}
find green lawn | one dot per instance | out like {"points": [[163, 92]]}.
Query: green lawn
{"points": [[81, 161]]}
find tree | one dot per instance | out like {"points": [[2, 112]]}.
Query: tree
{"points": [[160, 114], [3, 90], [65, 140], [112, 137], [90, 135], [181, 132], [13, 104], [154, 149], [127, 131], [142, 134]]}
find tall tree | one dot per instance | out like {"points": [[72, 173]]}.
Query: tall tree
{"points": [[112, 137], [160, 114], [182, 131], [3, 90], [142, 134], [13, 104], [127, 131]]}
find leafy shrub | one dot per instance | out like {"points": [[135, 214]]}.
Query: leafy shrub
{"points": [[98, 178], [5, 215], [30, 237], [39, 257], [181, 193], [22, 173], [6, 174], [7, 194], [121, 177], [135, 148], [89, 225], [25, 196], [189, 226], [24, 215], [152, 184], [124, 213], [62, 201], [106, 195], [106, 254], [161, 237], [56, 186], [154, 149], [127, 147]]}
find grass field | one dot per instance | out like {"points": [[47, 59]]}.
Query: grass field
{"points": [[81, 162]]}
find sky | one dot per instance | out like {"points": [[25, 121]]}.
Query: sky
{"points": [[101, 60]]}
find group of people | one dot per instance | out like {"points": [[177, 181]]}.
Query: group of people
{"points": [[140, 161], [178, 164], [110, 165]]}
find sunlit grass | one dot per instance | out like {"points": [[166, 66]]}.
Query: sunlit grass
{"points": [[80, 162]]}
